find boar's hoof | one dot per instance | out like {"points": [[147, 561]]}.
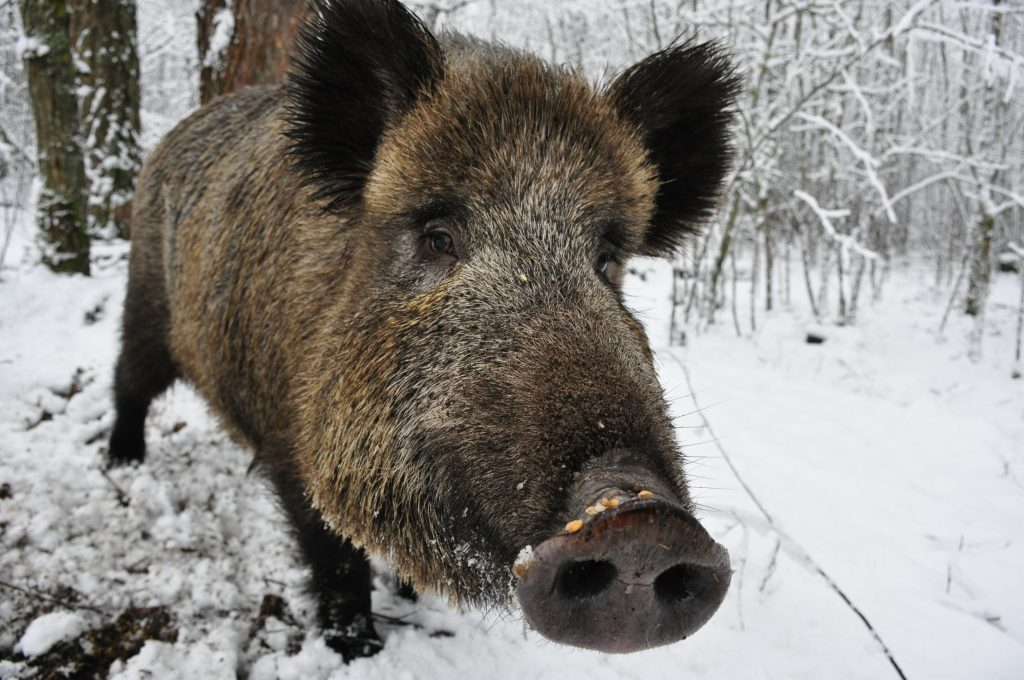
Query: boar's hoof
{"points": [[405, 590], [127, 446], [642, 574], [356, 640]]}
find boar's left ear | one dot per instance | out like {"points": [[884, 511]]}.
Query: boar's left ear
{"points": [[359, 66], [681, 101]]}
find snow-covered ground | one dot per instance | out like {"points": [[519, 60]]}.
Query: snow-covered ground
{"points": [[878, 475]]}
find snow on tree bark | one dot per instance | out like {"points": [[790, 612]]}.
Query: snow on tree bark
{"points": [[51, 77], [245, 42], [104, 36]]}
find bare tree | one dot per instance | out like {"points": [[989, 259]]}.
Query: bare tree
{"points": [[986, 103], [51, 78]]}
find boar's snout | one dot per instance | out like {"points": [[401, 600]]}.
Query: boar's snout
{"points": [[640, 573], [637, 576]]}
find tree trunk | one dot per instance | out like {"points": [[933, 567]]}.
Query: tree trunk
{"points": [[807, 284], [723, 252], [841, 281], [858, 281], [755, 273], [981, 255], [51, 80], [769, 264], [981, 267], [1020, 316], [245, 42], [104, 33]]}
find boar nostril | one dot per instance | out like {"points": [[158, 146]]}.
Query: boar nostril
{"points": [[579, 580], [682, 582]]}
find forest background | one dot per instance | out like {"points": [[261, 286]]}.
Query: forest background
{"points": [[869, 131]]}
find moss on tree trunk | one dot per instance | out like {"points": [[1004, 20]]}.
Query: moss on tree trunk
{"points": [[51, 79], [104, 33]]}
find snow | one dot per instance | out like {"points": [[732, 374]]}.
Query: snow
{"points": [[877, 475], [48, 630], [30, 46], [523, 562], [222, 32], [214, 657], [893, 464], [883, 464]]}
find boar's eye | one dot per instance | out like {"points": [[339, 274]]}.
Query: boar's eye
{"points": [[437, 243], [441, 243], [604, 263]]}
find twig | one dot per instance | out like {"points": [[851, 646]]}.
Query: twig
{"points": [[743, 567], [39, 596], [122, 497], [736, 473], [953, 293], [949, 566], [856, 610], [772, 564], [783, 535], [396, 620]]}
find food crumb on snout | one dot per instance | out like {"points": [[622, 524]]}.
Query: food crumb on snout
{"points": [[574, 526]]}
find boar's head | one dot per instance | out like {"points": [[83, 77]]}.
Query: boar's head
{"points": [[479, 381]]}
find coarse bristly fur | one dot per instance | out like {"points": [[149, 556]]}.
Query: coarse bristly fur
{"points": [[431, 408]]}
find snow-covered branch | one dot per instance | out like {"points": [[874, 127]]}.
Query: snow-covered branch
{"points": [[870, 163], [826, 216]]}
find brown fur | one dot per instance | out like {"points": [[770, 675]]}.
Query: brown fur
{"points": [[409, 402]]}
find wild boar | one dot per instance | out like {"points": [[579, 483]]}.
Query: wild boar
{"points": [[397, 278]]}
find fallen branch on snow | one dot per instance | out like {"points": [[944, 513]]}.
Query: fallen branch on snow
{"points": [[783, 535]]}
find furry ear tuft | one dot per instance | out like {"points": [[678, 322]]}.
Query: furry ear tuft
{"points": [[359, 65], [681, 101]]}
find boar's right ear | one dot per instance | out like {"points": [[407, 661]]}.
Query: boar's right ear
{"points": [[359, 65], [680, 100]]}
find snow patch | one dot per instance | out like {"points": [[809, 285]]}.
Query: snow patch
{"points": [[29, 46], [524, 560], [49, 629]]}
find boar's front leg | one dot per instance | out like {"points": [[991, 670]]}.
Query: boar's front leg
{"points": [[341, 579]]}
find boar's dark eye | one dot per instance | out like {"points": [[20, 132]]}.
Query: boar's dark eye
{"points": [[604, 261], [438, 244], [441, 243]]}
